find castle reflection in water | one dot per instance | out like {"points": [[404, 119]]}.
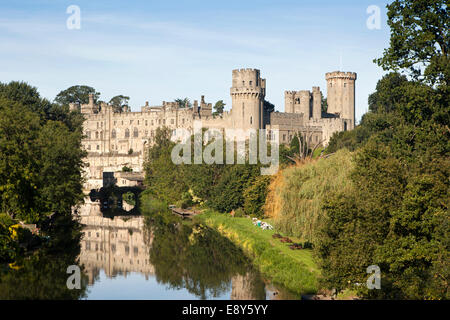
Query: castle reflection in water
{"points": [[121, 245]]}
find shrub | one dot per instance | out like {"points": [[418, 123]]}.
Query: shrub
{"points": [[297, 195], [255, 196]]}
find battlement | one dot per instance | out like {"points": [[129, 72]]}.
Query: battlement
{"points": [[340, 75], [316, 89], [246, 70]]}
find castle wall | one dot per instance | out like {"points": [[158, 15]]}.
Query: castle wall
{"points": [[114, 140]]}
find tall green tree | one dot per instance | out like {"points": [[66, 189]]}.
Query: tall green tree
{"points": [[218, 107], [419, 41], [183, 102], [78, 93], [119, 103]]}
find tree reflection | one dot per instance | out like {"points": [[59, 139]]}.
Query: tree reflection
{"points": [[192, 256], [42, 275]]}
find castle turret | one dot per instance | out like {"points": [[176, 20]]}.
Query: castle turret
{"points": [[247, 95], [341, 95], [317, 103]]}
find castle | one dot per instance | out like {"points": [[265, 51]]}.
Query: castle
{"points": [[117, 139]]}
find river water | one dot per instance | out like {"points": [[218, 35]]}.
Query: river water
{"points": [[136, 257]]}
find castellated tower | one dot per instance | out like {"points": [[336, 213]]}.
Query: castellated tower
{"points": [[341, 95], [247, 95]]}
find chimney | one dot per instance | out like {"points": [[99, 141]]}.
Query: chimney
{"points": [[91, 99]]}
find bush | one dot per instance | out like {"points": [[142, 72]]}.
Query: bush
{"points": [[297, 195], [127, 169], [228, 193], [255, 196], [129, 198], [6, 220]]}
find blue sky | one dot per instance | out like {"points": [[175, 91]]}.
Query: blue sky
{"points": [[161, 50]]}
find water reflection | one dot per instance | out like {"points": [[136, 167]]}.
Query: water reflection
{"points": [[163, 258]]}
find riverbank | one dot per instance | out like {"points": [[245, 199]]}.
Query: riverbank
{"points": [[293, 269]]}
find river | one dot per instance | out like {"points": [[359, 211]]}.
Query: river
{"points": [[137, 257]]}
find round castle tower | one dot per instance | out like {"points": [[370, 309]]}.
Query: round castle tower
{"points": [[247, 96], [341, 95]]}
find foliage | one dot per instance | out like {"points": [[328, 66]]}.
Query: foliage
{"points": [[184, 103], [181, 255], [163, 178], [129, 198], [295, 270], [228, 193], [119, 103], [419, 41], [127, 169], [268, 107], [41, 159], [78, 93], [255, 196], [295, 201], [396, 214], [218, 107]]}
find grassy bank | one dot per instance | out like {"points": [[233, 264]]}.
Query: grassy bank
{"points": [[294, 269]]}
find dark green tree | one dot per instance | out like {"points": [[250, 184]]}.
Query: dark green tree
{"points": [[78, 93], [119, 103], [218, 107], [419, 41]]}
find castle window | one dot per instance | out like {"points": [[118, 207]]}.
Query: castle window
{"points": [[251, 120], [164, 121], [101, 135], [172, 121], [115, 122], [152, 122], [96, 134], [131, 121], [113, 133], [98, 147], [89, 147], [146, 132], [88, 134], [345, 84], [138, 122], [243, 83], [127, 133], [146, 122], [250, 83], [182, 121], [284, 137], [122, 122], [135, 133]]}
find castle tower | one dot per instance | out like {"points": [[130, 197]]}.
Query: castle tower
{"points": [[289, 97], [247, 96], [341, 95], [305, 103], [317, 103]]}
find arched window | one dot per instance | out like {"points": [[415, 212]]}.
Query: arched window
{"points": [[127, 133], [135, 133], [96, 134], [113, 134], [251, 120]]}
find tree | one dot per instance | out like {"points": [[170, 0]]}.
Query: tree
{"points": [[78, 93], [119, 103], [323, 103], [183, 103], [40, 155], [419, 39], [268, 107], [388, 93], [163, 178], [218, 107]]}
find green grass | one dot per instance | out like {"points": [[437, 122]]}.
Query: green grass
{"points": [[293, 269]]}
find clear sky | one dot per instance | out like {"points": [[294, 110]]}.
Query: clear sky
{"points": [[162, 50]]}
